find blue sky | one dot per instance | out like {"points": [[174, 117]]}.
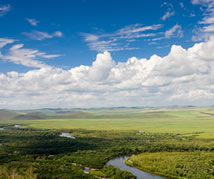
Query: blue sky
{"points": [[98, 17], [69, 34]]}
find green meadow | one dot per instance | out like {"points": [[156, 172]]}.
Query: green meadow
{"points": [[185, 121]]}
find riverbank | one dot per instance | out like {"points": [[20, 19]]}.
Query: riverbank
{"points": [[106, 172], [131, 164], [120, 162], [197, 164]]}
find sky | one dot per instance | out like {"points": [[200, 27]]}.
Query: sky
{"points": [[106, 53]]}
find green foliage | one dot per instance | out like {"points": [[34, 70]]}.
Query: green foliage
{"points": [[52, 156], [113, 173], [176, 164], [12, 173]]}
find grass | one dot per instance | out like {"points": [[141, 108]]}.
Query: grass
{"points": [[186, 121]]}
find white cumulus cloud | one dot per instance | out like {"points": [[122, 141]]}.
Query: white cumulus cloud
{"points": [[184, 76]]}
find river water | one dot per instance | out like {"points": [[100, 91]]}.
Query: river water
{"points": [[68, 135], [119, 163], [17, 126]]}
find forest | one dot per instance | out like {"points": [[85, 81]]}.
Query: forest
{"points": [[197, 164], [44, 154]]}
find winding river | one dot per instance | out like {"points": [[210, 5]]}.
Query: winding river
{"points": [[119, 163]]}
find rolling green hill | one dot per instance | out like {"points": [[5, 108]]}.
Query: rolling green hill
{"points": [[186, 121]]}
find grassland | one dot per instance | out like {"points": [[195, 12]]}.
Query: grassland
{"points": [[185, 121], [183, 137]]}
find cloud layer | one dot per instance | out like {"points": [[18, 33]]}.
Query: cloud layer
{"points": [[176, 28], [121, 39], [207, 23], [37, 35], [33, 22], [26, 57], [4, 9], [184, 76], [170, 12]]}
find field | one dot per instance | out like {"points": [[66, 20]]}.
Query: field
{"points": [[186, 121], [157, 136]]}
